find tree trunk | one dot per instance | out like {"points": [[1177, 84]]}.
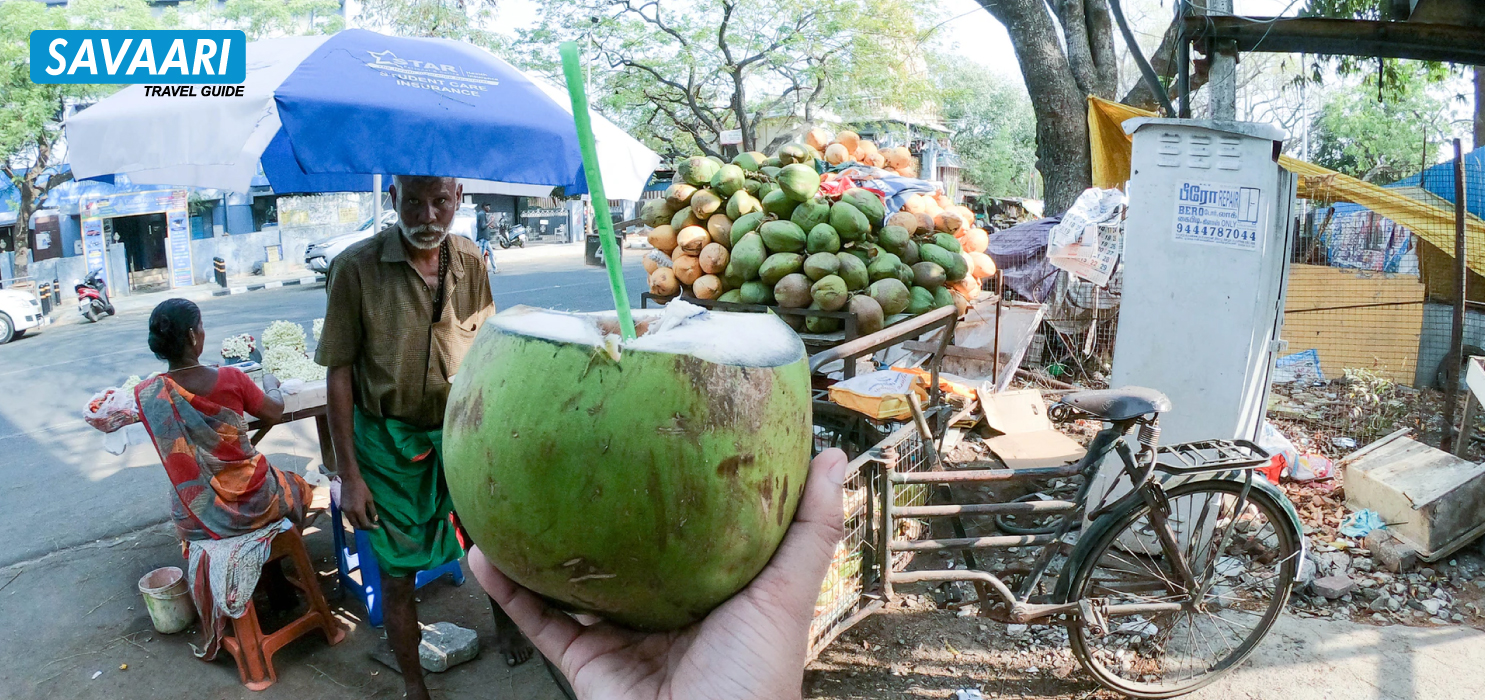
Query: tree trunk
{"points": [[740, 108], [31, 190], [1062, 150], [22, 237], [1479, 107]]}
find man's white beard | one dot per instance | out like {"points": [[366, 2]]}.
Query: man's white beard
{"points": [[426, 236]]}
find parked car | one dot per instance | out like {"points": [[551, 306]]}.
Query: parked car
{"points": [[318, 256], [19, 312]]}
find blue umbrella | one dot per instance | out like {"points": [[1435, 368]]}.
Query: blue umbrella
{"points": [[328, 112]]}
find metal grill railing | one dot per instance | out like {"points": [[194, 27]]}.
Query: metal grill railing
{"points": [[851, 589]]}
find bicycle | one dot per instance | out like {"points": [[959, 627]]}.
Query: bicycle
{"points": [[1169, 585]]}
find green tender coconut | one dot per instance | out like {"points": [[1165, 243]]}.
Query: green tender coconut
{"points": [[646, 489], [821, 239]]}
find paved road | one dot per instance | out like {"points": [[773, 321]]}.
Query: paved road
{"points": [[58, 488]]}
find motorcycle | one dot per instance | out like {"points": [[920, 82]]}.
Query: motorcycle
{"points": [[92, 297], [513, 236]]}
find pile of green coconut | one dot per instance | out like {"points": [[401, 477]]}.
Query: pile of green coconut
{"points": [[761, 230]]}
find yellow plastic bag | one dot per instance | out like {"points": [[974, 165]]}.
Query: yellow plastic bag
{"points": [[880, 395]]}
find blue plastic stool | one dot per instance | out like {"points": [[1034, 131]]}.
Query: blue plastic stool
{"points": [[364, 559]]}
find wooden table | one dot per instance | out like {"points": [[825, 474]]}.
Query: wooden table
{"points": [[322, 428]]}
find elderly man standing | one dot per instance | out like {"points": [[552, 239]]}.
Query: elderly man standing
{"points": [[403, 309]]}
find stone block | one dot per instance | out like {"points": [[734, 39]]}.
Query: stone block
{"points": [[446, 645], [1390, 552], [1333, 587]]}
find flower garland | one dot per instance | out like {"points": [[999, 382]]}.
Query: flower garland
{"points": [[238, 347], [284, 334], [287, 363]]}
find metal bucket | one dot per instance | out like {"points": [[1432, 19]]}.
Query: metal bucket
{"points": [[168, 599]]}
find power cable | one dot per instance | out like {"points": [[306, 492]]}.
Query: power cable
{"points": [[1146, 71]]}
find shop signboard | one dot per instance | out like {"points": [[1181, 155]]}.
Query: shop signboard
{"points": [[132, 203], [93, 246], [178, 243]]}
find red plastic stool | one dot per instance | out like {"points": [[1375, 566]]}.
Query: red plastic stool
{"points": [[254, 650]]}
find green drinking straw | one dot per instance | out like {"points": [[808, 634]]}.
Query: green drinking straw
{"points": [[572, 69]]}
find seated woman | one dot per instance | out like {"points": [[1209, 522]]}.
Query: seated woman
{"points": [[223, 487]]}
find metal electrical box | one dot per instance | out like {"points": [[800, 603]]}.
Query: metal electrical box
{"points": [[1206, 255]]}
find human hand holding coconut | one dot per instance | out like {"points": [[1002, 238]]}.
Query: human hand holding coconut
{"points": [[752, 646]]}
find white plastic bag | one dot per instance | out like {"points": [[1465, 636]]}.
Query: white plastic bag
{"points": [[1273, 442], [111, 409]]}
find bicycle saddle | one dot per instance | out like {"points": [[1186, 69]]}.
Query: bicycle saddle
{"points": [[1119, 404]]}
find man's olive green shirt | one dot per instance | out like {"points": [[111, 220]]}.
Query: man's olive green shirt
{"points": [[379, 320]]}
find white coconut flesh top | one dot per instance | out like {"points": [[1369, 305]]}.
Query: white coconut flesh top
{"points": [[681, 328]]}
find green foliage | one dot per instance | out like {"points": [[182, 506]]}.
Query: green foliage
{"points": [[678, 74], [994, 126], [1395, 74], [270, 18], [28, 109], [1375, 141], [464, 20], [29, 113]]}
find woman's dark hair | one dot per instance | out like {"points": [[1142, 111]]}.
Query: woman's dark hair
{"points": [[169, 323]]}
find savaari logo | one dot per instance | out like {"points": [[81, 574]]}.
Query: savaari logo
{"points": [[428, 75], [156, 57]]}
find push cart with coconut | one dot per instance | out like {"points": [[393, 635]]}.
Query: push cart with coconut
{"points": [[1166, 578]]}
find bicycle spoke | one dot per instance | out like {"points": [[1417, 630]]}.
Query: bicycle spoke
{"points": [[1240, 561]]}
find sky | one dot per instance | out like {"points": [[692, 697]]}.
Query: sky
{"points": [[970, 31]]}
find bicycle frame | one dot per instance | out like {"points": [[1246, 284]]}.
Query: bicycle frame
{"points": [[1021, 607]]}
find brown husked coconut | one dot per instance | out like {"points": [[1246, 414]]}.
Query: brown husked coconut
{"points": [[663, 282], [905, 220], [692, 239], [719, 227], [687, 269], [835, 154], [984, 265], [817, 138], [975, 240], [925, 222], [964, 214], [662, 237], [707, 287], [899, 157], [713, 259], [947, 222], [849, 139]]}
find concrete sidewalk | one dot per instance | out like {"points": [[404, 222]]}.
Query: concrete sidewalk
{"points": [[77, 614], [538, 252], [1315, 659], [66, 313]]}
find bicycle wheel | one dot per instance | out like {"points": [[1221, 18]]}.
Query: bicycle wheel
{"points": [[1241, 589]]}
